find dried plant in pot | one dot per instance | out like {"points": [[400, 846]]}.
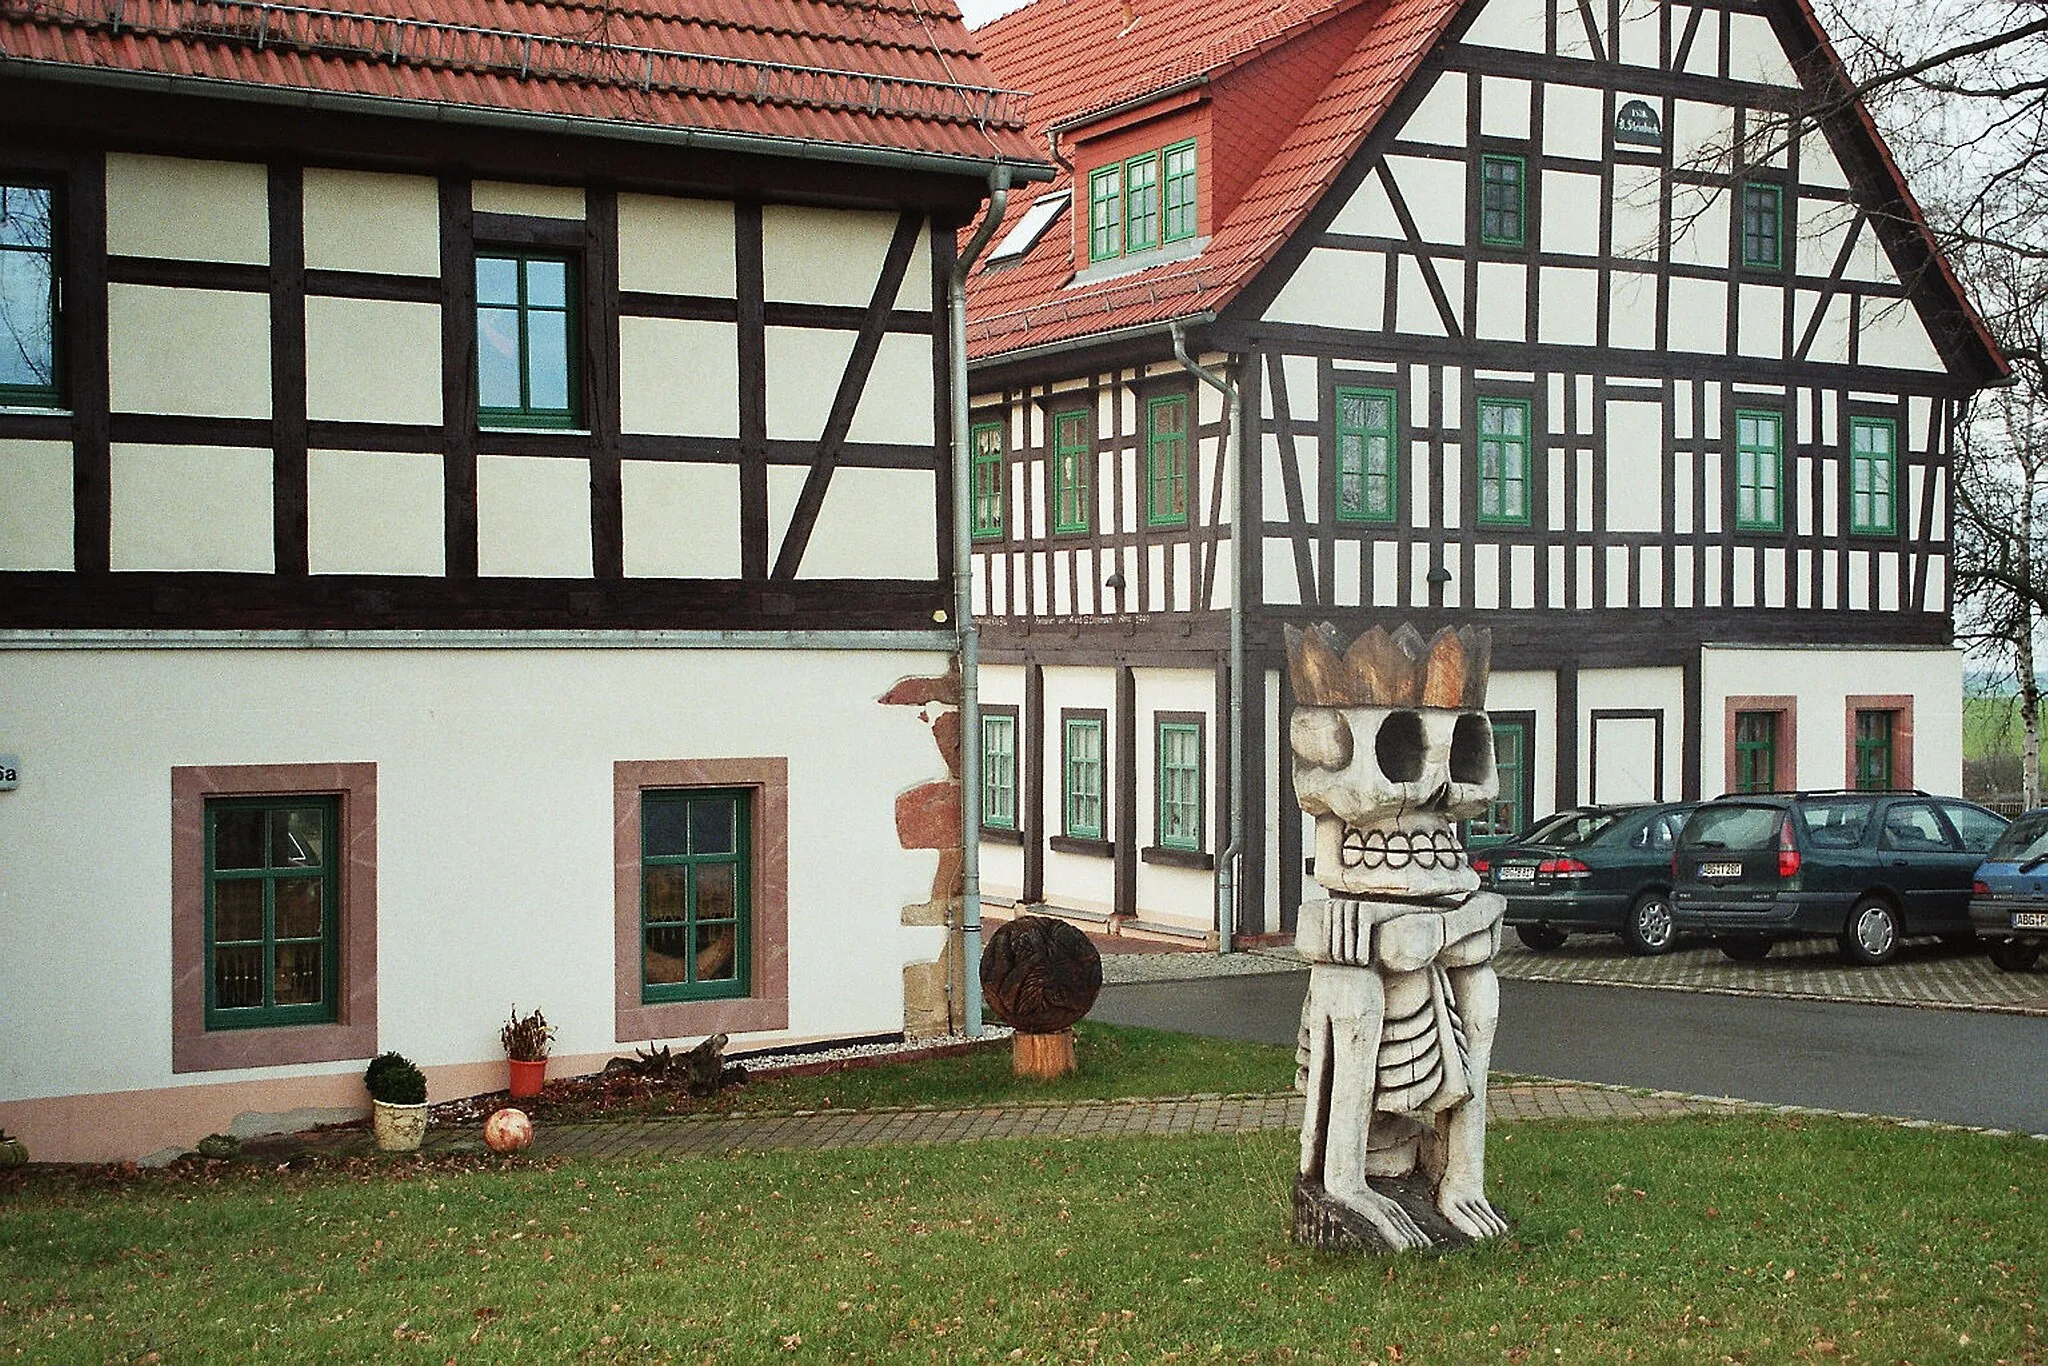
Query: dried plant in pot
{"points": [[398, 1102], [526, 1039]]}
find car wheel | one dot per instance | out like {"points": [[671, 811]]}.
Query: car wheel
{"points": [[1745, 948], [2012, 955], [1541, 938], [1649, 928], [1871, 935]]}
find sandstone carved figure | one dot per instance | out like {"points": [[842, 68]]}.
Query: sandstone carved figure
{"points": [[1391, 750]]}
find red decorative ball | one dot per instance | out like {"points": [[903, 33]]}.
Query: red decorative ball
{"points": [[508, 1131]]}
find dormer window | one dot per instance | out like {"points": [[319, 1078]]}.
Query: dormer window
{"points": [[1142, 203]]}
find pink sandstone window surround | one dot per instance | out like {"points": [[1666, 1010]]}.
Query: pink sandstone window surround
{"points": [[353, 1032], [766, 1005], [1900, 705], [1785, 748]]}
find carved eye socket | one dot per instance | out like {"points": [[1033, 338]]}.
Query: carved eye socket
{"points": [[1472, 750], [1400, 747]]}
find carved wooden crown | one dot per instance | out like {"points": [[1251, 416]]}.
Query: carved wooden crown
{"points": [[1399, 670]]}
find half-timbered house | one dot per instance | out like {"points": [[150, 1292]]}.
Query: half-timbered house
{"points": [[1528, 313], [475, 529]]}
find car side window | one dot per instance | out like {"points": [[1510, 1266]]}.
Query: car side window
{"points": [[1661, 833], [1912, 827], [1837, 824], [1979, 829]]}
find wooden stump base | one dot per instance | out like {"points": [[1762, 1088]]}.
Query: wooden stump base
{"points": [[1044, 1056]]}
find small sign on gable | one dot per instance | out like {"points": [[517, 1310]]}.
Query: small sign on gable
{"points": [[1637, 122], [10, 773]]}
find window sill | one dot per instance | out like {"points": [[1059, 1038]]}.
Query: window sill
{"points": [[996, 834], [34, 410], [535, 430], [1081, 844], [1114, 267], [1177, 858]]}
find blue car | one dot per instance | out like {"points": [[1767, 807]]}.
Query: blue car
{"points": [[2009, 899]]}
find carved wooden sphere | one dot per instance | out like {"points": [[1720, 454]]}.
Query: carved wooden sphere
{"points": [[508, 1131], [1040, 975]]}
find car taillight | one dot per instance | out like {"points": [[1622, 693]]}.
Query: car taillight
{"points": [[1980, 889], [1788, 851], [1482, 865], [1563, 867]]}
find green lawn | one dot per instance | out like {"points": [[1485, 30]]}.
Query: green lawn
{"points": [[1757, 1239], [1992, 726]]}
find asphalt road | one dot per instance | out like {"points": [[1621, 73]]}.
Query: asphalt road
{"points": [[1957, 1067]]}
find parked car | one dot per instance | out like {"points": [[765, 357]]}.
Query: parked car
{"points": [[1864, 868], [1600, 868], [2009, 899]]}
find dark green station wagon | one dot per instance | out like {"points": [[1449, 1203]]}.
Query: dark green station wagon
{"points": [[1600, 868], [1866, 869]]}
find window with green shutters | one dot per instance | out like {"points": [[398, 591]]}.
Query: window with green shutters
{"points": [[999, 771], [1763, 227], [526, 340], [1073, 472], [1503, 201], [1366, 482], [28, 295], [1874, 750], [273, 911], [1179, 785], [1180, 191], [1756, 751], [1081, 767], [1106, 213], [1503, 461], [1759, 470], [695, 898], [1141, 202], [1508, 812], [1873, 467], [1166, 461], [986, 438]]}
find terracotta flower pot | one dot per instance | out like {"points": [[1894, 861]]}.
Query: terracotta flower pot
{"points": [[399, 1128], [527, 1077]]}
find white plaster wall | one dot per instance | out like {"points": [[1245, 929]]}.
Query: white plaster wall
{"points": [[680, 377], [676, 246], [896, 404], [1515, 24], [188, 210], [1519, 690], [1435, 191], [494, 832], [1821, 680], [1635, 466], [1178, 895], [196, 352], [804, 367], [35, 505], [1332, 288], [532, 201], [369, 221], [681, 520], [1440, 117], [1632, 690], [373, 360], [1573, 125], [532, 517], [827, 256], [1082, 881], [375, 512], [1893, 335], [875, 524], [192, 508]]}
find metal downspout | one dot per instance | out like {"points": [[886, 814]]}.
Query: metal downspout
{"points": [[963, 604], [1226, 863]]}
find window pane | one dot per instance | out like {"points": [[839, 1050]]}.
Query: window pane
{"points": [[298, 975], [237, 911], [547, 284], [296, 837], [238, 837], [711, 826], [298, 907], [547, 358], [717, 952], [666, 957], [715, 889], [238, 976], [25, 217], [497, 281], [664, 832], [667, 894], [497, 358], [27, 348]]}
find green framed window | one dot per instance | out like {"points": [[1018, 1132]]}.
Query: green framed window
{"points": [[1081, 766], [1106, 213], [1508, 812], [1141, 202], [28, 295], [999, 770], [1367, 485], [696, 900], [1503, 201], [1759, 470], [1503, 460], [1166, 461], [1763, 227], [1073, 472], [1874, 750], [1756, 751], [526, 340], [1179, 161], [1179, 784], [273, 911], [1873, 471], [986, 439]]}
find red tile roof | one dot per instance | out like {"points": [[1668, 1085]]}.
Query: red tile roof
{"points": [[896, 74], [1079, 57]]}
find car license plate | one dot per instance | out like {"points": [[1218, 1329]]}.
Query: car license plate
{"points": [[1720, 870], [2030, 920], [1518, 872]]}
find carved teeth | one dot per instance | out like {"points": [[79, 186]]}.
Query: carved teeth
{"points": [[1397, 849]]}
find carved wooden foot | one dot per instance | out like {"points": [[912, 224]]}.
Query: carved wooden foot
{"points": [[1322, 1223]]}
